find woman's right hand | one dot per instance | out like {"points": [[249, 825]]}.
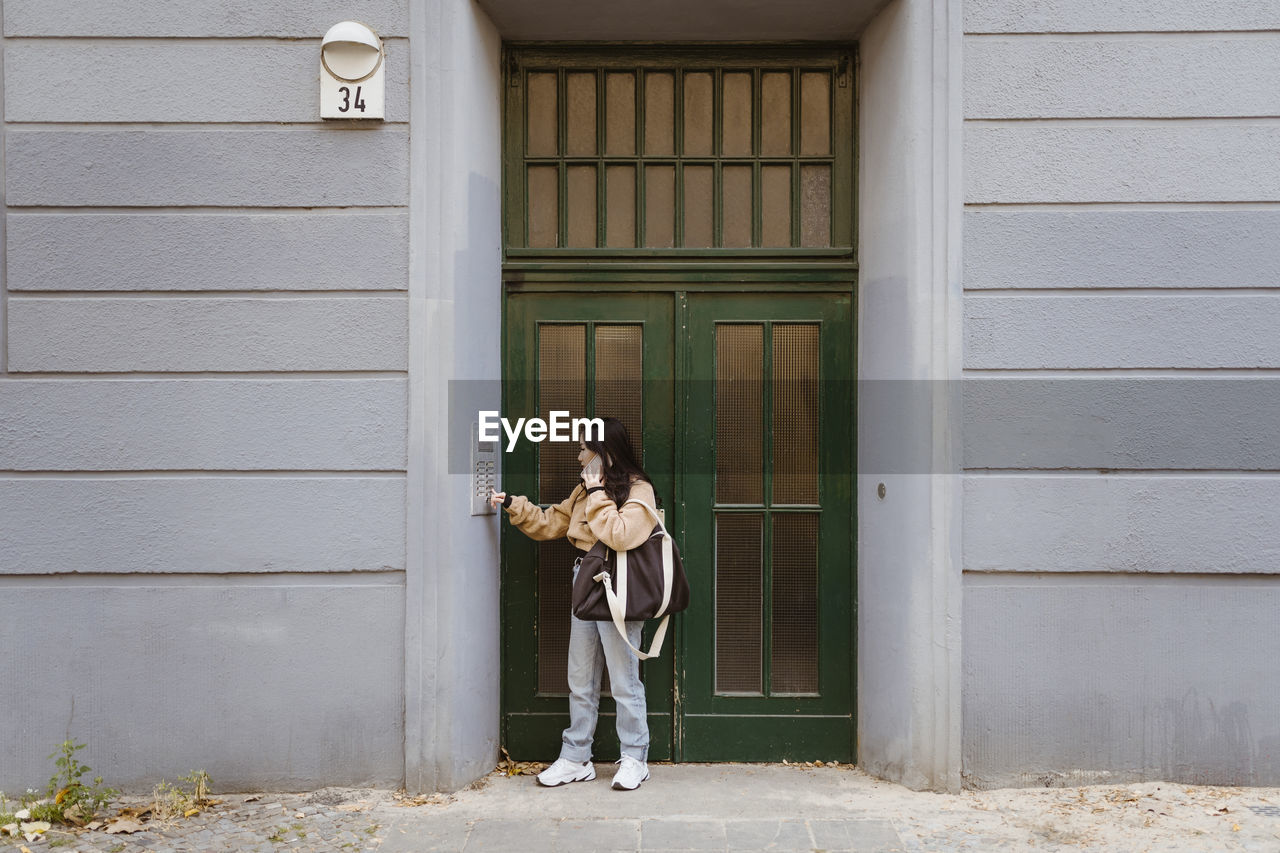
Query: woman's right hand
{"points": [[496, 498]]}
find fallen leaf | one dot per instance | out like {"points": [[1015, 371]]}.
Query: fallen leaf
{"points": [[94, 825], [253, 799], [190, 812], [23, 815], [351, 807], [1235, 827], [25, 849], [123, 825], [9, 829]]}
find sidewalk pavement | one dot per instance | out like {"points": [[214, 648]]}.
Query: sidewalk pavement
{"points": [[722, 807]]}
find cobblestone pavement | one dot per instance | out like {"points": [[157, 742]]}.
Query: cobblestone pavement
{"points": [[725, 807], [332, 819]]}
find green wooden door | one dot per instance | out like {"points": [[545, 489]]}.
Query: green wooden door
{"points": [[678, 252], [743, 408], [588, 355], [766, 653]]}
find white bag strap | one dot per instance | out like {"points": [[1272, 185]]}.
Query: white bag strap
{"points": [[618, 608], [668, 558], [618, 601]]}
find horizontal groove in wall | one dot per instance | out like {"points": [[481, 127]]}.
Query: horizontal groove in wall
{"points": [[375, 578], [1038, 292], [200, 473], [1127, 121], [1132, 35], [346, 126], [388, 293], [1202, 473], [212, 126], [1096, 33], [195, 126], [1125, 372], [194, 208], [182, 40], [1033, 579], [1123, 206], [178, 375], [200, 127], [207, 210]]}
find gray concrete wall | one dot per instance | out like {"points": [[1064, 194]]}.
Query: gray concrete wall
{"points": [[1122, 201], [203, 397], [452, 632], [908, 593]]}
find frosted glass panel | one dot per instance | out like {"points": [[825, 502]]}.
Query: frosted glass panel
{"points": [[775, 204], [544, 206], [737, 206], [620, 113], [794, 662], [698, 113], [685, 155], [659, 113], [619, 375], [795, 413], [739, 588], [775, 131], [815, 113], [562, 386], [660, 206], [699, 208], [815, 206], [582, 207], [580, 92], [620, 210], [739, 413], [737, 115], [542, 115]]}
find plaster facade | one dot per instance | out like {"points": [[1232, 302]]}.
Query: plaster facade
{"points": [[228, 330]]}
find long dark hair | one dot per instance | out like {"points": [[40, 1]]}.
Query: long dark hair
{"points": [[617, 460]]}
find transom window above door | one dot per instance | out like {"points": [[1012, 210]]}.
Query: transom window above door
{"points": [[666, 152]]}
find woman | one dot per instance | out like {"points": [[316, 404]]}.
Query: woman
{"points": [[596, 510]]}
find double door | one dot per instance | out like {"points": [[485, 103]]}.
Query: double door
{"points": [[741, 405]]}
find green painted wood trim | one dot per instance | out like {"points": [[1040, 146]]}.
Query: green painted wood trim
{"points": [[688, 255], [536, 736], [817, 55], [677, 282], [771, 738]]}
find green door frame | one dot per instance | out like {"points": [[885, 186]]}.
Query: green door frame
{"points": [[535, 726], [557, 284]]}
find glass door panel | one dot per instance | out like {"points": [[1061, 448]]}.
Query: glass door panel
{"points": [[767, 665], [590, 356]]}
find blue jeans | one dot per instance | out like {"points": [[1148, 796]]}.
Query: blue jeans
{"points": [[592, 646]]}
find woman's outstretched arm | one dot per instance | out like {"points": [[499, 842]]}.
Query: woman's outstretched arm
{"points": [[542, 524]]}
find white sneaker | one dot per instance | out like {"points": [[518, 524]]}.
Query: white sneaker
{"points": [[564, 771], [629, 776]]}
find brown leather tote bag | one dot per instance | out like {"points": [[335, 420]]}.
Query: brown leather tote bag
{"points": [[647, 582]]}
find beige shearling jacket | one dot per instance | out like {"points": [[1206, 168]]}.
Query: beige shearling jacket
{"points": [[587, 518]]}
